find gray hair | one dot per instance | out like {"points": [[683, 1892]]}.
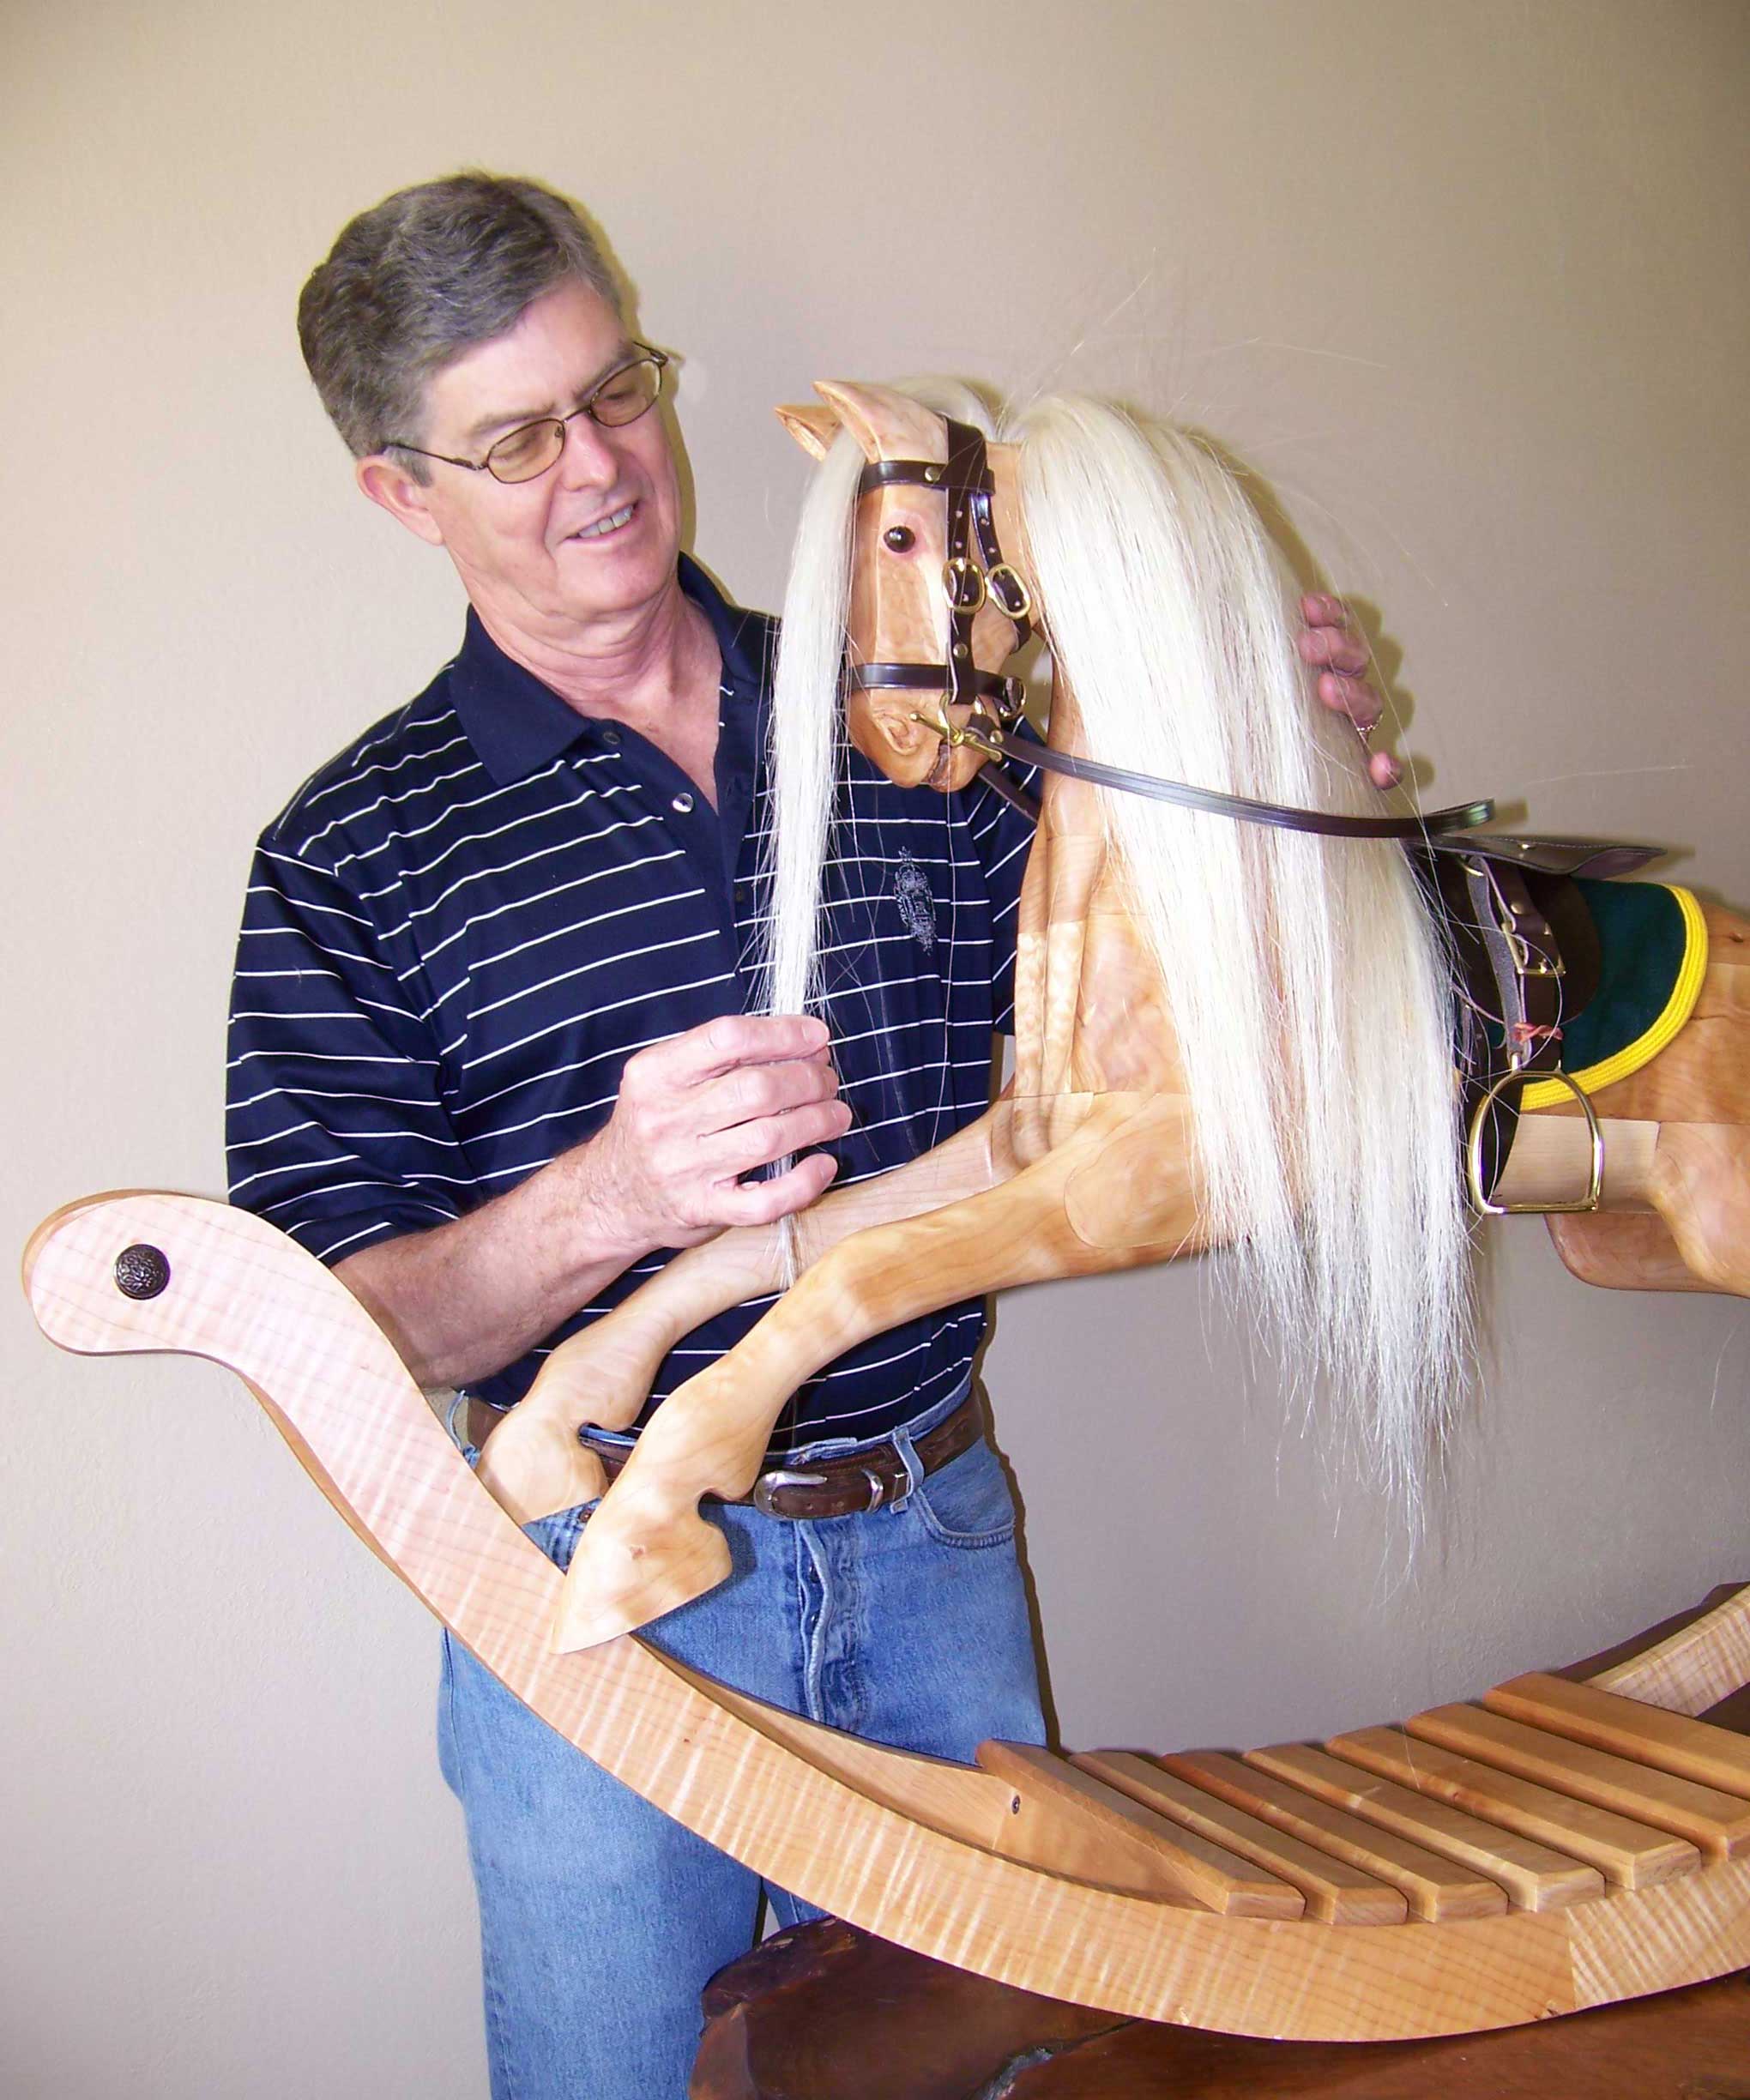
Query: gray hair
{"points": [[426, 274]]}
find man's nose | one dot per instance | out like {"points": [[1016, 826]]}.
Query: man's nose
{"points": [[588, 459]]}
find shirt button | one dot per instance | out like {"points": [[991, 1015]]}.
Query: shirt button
{"points": [[683, 804], [611, 736]]}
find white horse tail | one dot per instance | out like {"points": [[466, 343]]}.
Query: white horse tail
{"points": [[1307, 987]]}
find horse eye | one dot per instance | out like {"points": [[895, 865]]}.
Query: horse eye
{"points": [[900, 538]]}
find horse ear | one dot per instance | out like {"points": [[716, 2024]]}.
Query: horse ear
{"points": [[888, 426], [813, 429]]}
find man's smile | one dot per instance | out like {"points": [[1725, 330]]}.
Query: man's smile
{"points": [[616, 520]]}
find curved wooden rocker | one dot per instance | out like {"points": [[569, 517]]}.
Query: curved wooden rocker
{"points": [[1099, 1158], [1564, 1844]]}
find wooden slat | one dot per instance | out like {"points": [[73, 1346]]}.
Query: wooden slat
{"points": [[1433, 1887], [1334, 1890], [1717, 1824], [1712, 1756], [1094, 1833], [1626, 1853], [1534, 1876]]}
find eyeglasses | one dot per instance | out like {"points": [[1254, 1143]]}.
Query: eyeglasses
{"points": [[532, 448]]}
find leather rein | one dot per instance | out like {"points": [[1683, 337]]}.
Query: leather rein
{"points": [[1501, 899]]}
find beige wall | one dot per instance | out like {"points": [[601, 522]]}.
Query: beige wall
{"points": [[1465, 284]]}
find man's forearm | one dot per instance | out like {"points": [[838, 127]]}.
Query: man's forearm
{"points": [[463, 1300]]}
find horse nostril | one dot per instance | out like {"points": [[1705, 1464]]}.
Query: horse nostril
{"points": [[900, 538]]}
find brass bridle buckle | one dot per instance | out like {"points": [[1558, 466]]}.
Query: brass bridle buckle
{"points": [[963, 582], [1007, 589], [971, 733]]}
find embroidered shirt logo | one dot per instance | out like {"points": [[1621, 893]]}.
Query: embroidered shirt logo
{"points": [[917, 906]]}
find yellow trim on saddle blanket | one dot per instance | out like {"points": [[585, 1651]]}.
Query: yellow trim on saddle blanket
{"points": [[1685, 991]]}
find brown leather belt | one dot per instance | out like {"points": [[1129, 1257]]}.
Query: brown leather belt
{"points": [[823, 1487]]}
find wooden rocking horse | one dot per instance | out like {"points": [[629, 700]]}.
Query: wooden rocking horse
{"points": [[1232, 1015], [1575, 1838]]}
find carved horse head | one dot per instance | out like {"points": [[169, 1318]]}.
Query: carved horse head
{"points": [[938, 599]]}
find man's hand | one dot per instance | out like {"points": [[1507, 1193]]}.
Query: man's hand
{"points": [[461, 1300], [1328, 641], [697, 1113]]}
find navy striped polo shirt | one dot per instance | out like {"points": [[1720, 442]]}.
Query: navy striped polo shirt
{"points": [[458, 932]]}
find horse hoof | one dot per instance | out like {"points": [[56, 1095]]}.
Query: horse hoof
{"points": [[618, 1581]]}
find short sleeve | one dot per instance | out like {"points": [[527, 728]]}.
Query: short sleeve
{"points": [[1002, 836], [335, 1129]]}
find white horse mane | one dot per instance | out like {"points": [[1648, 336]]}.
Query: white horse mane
{"points": [[1308, 989]]}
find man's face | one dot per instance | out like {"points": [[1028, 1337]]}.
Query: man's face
{"points": [[593, 539]]}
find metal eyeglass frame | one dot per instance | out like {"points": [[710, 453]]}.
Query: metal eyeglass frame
{"points": [[585, 407]]}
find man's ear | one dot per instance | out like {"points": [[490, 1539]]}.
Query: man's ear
{"points": [[389, 484]]}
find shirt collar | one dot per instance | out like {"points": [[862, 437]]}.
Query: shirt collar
{"points": [[517, 724]]}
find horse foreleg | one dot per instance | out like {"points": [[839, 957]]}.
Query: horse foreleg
{"points": [[601, 1378], [1117, 1193]]}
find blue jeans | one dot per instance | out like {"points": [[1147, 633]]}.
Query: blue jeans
{"points": [[600, 1919]]}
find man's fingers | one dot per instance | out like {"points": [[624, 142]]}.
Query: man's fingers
{"points": [[754, 1091], [731, 1153], [1329, 642], [1333, 648], [1352, 696], [760, 1203], [732, 1040]]}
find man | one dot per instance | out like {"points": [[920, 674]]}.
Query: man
{"points": [[490, 1058]]}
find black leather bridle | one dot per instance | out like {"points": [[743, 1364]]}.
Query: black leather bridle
{"points": [[965, 483]]}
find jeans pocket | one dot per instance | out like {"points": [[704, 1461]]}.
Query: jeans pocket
{"points": [[968, 1503]]}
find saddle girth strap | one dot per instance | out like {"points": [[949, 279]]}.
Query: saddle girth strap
{"points": [[1525, 960]]}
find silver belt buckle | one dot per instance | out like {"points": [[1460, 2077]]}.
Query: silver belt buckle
{"points": [[769, 1484]]}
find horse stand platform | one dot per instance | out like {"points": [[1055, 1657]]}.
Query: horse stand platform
{"points": [[829, 2012]]}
